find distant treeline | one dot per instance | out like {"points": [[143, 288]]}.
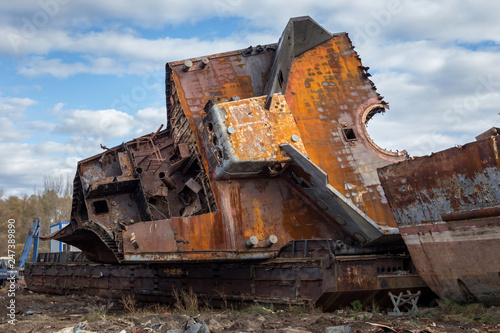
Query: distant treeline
{"points": [[50, 205]]}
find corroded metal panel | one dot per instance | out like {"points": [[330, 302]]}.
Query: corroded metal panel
{"points": [[342, 212], [332, 98], [226, 75], [447, 206], [458, 179], [256, 207], [458, 260], [242, 139], [281, 281]]}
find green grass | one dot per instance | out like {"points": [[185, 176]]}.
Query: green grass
{"points": [[469, 313], [357, 306]]}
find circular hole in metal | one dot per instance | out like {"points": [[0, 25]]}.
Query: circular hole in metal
{"points": [[161, 175], [138, 170], [214, 141], [382, 269], [210, 126]]}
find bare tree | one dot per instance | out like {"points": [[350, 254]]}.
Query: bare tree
{"points": [[61, 184]]}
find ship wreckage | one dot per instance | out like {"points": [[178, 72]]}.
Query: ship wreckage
{"points": [[263, 186]]}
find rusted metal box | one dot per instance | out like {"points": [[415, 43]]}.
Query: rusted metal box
{"points": [[243, 139]]}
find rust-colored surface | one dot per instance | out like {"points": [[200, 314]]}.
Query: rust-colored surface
{"points": [[241, 139], [297, 277], [447, 207], [212, 179], [253, 209], [455, 180], [259, 132], [458, 260], [256, 133], [329, 93], [250, 181]]}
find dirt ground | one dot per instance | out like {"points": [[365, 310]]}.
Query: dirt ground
{"points": [[51, 313]]}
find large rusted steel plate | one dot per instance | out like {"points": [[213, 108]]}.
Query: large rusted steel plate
{"points": [[278, 281], [458, 259], [447, 206], [458, 179], [242, 138]]}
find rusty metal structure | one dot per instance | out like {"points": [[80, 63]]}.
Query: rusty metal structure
{"points": [[263, 186], [447, 206]]}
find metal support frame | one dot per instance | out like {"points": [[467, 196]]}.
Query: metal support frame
{"points": [[408, 299]]}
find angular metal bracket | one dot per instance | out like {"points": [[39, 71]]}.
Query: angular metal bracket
{"points": [[333, 203], [300, 35]]}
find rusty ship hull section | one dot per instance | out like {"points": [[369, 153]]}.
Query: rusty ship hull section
{"points": [[448, 209], [265, 162]]}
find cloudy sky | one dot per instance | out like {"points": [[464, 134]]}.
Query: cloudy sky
{"points": [[75, 74]]}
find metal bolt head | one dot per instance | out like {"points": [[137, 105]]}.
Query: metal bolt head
{"points": [[295, 138], [271, 240], [252, 241], [204, 62], [187, 65], [231, 130]]}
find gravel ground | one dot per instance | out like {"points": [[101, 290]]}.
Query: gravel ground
{"points": [[51, 313]]}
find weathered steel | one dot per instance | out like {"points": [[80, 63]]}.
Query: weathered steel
{"points": [[220, 187], [300, 35], [142, 180], [334, 204], [447, 206], [217, 175], [242, 139], [309, 272]]}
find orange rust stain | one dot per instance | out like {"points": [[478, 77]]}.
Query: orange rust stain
{"points": [[259, 132], [258, 221], [326, 88]]}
